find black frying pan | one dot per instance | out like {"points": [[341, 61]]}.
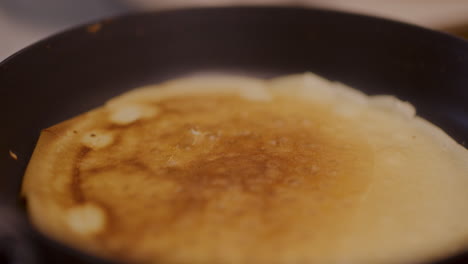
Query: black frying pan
{"points": [[79, 69]]}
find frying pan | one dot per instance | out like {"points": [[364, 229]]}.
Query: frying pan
{"points": [[79, 69]]}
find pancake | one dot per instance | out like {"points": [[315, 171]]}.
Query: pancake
{"points": [[229, 169]]}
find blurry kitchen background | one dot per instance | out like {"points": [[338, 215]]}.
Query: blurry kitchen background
{"points": [[23, 22]]}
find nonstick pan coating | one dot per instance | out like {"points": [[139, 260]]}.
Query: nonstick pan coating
{"points": [[77, 70]]}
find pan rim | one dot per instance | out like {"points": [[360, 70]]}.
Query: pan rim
{"points": [[168, 11]]}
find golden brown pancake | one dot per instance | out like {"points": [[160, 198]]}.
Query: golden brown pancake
{"points": [[225, 169]]}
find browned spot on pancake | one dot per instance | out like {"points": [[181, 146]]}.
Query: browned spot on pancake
{"points": [[76, 191], [50, 131]]}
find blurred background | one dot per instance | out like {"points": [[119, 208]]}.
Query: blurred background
{"points": [[23, 22]]}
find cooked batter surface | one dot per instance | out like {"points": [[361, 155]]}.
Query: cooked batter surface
{"points": [[238, 170]]}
